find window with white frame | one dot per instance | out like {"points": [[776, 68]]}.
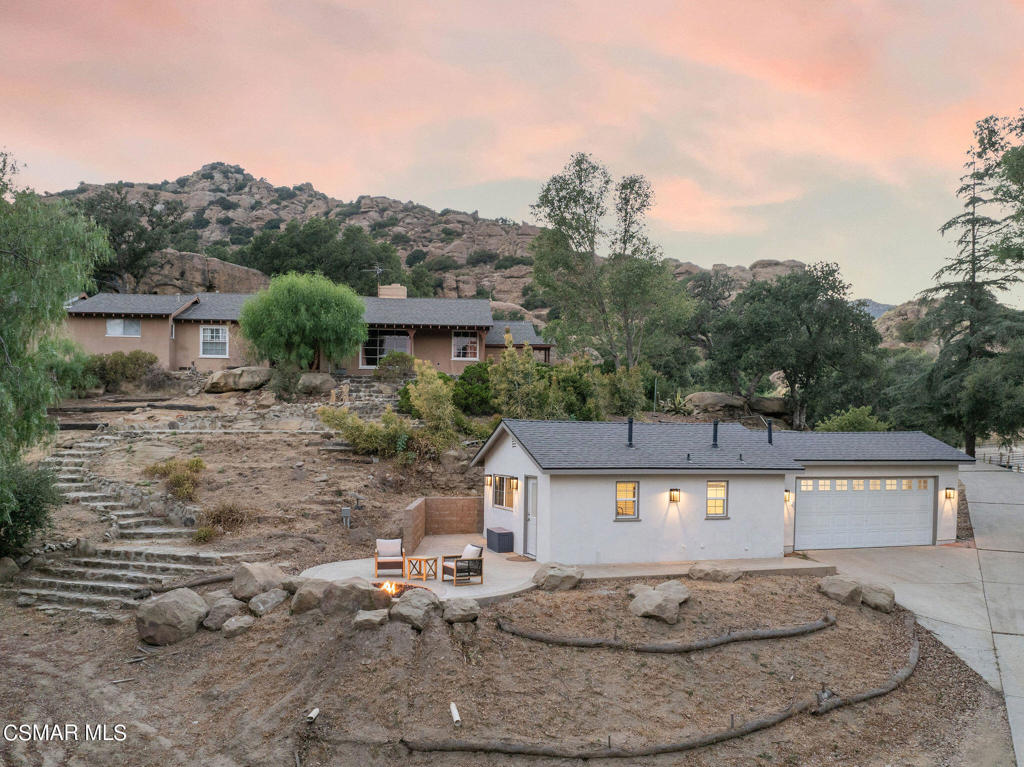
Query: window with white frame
{"points": [[891, 484], [627, 500], [213, 341], [841, 484], [124, 328], [806, 485], [718, 499], [465, 345], [875, 484], [922, 484], [824, 484], [501, 492], [858, 484], [380, 342]]}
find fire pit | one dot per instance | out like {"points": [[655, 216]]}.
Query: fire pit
{"points": [[396, 589]]}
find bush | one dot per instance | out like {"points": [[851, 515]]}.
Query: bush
{"points": [[853, 419], [117, 367], [622, 391], [472, 391], [400, 238], [384, 223], [274, 223], [442, 264], [431, 395], [204, 534], [181, 477], [507, 315], [417, 256], [224, 203], [395, 366], [68, 366], [482, 257], [27, 500], [285, 381], [225, 220], [404, 403], [226, 517], [285, 193], [199, 221], [507, 262], [390, 437], [156, 378], [448, 234]]}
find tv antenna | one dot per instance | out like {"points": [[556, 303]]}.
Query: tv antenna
{"points": [[378, 270]]}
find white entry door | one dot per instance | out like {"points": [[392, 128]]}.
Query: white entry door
{"points": [[530, 512], [845, 513]]}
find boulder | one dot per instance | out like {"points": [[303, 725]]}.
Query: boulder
{"points": [[717, 574], [221, 610], [557, 577], [662, 606], [237, 379], [637, 589], [369, 619], [212, 597], [308, 595], [461, 610], [261, 604], [292, 583], [8, 569], [252, 578], [878, 597], [840, 589], [170, 617], [713, 401], [675, 589], [352, 595], [769, 405], [416, 607], [315, 383], [237, 625]]}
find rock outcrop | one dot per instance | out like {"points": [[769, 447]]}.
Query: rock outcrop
{"points": [[238, 379], [175, 271], [168, 618]]}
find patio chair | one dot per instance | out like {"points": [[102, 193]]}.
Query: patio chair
{"points": [[463, 568], [389, 556]]}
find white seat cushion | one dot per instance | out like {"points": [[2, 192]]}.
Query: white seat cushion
{"points": [[472, 552], [389, 547], [390, 560]]}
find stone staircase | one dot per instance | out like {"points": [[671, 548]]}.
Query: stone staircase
{"points": [[366, 396]]}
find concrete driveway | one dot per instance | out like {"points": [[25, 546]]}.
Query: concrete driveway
{"points": [[972, 599]]}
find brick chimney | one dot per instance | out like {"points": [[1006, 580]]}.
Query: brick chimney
{"points": [[394, 290]]}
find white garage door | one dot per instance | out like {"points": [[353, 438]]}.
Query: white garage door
{"points": [[846, 513]]}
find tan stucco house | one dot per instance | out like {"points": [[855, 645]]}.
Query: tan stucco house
{"points": [[202, 329]]}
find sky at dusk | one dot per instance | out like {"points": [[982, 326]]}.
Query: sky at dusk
{"points": [[810, 130]]}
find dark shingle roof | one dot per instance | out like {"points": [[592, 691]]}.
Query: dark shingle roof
{"points": [[216, 306], [522, 333], [881, 446], [589, 445], [129, 303], [445, 312]]}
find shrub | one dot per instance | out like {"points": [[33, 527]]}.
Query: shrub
{"points": [[442, 264], [482, 257], [285, 381], [206, 175], [853, 419], [204, 534], [226, 517], [472, 391], [507, 262], [274, 223], [417, 256], [431, 395], [482, 292], [390, 437], [285, 193], [27, 500], [68, 366], [622, 391], [224, 203], [156, 378], [404, 403], [448, 234], [384, 223], [507, 315], [199, 221], [117, 367], [532, 298], [180, 477], [240, 235], [225, 221], [395, 366], [400, 238]]}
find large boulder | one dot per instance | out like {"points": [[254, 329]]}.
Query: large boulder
{"points": [[714, 402], [662, 606], [840, 589], [637, 589], [351, 595], [461, 610], [878, 597], [261, 604], [416, 607], [675, 590], [213, 597], [292, 583], [170, 617], [369, 619], [238, 379], [252, 578], [237, 625], [557, 577], [8, 569], [713, 573], [221, 610], [315, 383], [769, 405], [308, 595]]}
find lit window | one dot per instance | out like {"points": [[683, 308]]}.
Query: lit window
{"points": [[922, 484], [718, 499], [465, 345], [890, 484], [125, 328], [907, 484], [858, 484], [840, 484], [379, 343], [824, 484], [627, 500], [806, 485], [501, 492], [213, 341], [876, 484]]}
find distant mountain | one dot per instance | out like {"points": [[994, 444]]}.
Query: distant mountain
{"points": [[876, 309]]}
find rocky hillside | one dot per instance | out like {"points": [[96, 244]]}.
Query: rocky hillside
{"points": [[901, 328]]}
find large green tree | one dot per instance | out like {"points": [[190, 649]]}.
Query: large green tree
{"points": [[136, 230], [301, 317], [608, 280]]}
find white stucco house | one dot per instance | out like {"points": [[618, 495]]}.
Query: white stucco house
{"points": [[598, 492]]}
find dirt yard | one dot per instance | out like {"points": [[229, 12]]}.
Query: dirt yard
{"points": [[231, 702]]}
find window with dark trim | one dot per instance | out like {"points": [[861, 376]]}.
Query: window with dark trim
{"points": [[627, 500], [379, 342], [501, 492]]}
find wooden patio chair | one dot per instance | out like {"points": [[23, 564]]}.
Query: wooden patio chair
{"points": [[389, 556], [463, 568]]}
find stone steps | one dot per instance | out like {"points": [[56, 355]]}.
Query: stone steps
{"points": [[111, 506], [87, 495], [132, 523], [119, 589], [155, 533], [47, 597], [122, 513], [174, 569], [83, 574], [184, 557]]}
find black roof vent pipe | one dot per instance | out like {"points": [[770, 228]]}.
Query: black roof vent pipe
{"points": [[714, 434], [769, 422], [629, 442]]}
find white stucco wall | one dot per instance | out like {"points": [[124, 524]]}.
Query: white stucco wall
{"points": [[580, 525], [943, 475], [508, 458]]}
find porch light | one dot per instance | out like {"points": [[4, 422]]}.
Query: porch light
{"points": [[788, 495], [514, 482], [673, 495], [487, 479], [950, 493]]}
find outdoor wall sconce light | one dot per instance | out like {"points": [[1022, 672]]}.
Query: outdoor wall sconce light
{"points": [[514, 482], [673, 495], [788, 495], [487, 480], [950, 493]]}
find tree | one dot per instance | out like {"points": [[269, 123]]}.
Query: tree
{"points": [[136, 230], [853, 419], [801, 324], [607, 303], [711, 292], [520, 388], [300, 318], [972, 326]]}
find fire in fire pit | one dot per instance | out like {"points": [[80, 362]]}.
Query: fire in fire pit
{"points": [[396, 589]]}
